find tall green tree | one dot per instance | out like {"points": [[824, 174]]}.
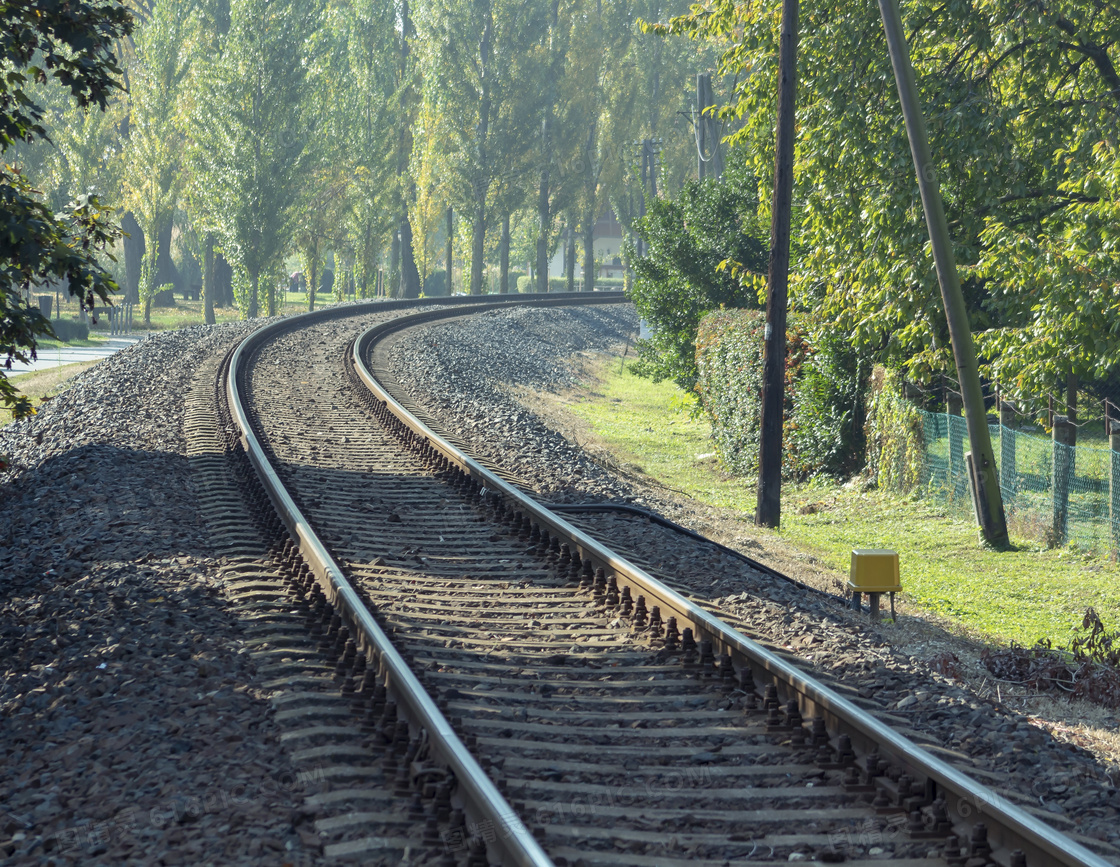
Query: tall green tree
{"points": [[153, 158], [1022, 107], [484, 56], [252, 133], [365, 110], [72, 45]]}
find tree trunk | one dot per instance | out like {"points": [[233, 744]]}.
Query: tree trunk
{"points": [[410, 276], [450, 248], [223, 281], [133, 256], [478, 245], [311, 271], [570, 255], [166, 271], [208, 279], [254, 289], [394, 265], [589, 253], [544, 216], [503, 258]]}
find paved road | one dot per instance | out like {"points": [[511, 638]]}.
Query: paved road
{"points": [[58, 356]]}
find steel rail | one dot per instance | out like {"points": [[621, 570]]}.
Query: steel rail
{"points": [[967, 799], [482, 800]]}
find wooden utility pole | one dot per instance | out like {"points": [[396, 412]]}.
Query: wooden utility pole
{"points": [[709, 153], [985, 482], [769, 511]]}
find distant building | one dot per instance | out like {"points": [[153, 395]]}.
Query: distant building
{"points": [[608, 250]]}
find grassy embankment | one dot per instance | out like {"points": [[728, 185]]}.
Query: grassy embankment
{"points": [[1020, 596]]}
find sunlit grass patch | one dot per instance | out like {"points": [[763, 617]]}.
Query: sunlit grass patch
{"points": [[44, 383], [1021, 595]]}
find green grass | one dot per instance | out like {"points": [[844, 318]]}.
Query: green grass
{"points": [[41, 384], [1021, 595], [183, 315]]}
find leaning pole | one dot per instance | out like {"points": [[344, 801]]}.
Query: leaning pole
{"points": [[982, 467]]}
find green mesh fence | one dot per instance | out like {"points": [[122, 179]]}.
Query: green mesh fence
{"points": [[1028, 466]]}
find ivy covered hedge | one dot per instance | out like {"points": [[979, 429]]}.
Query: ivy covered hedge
{"points": [[824, 394], [895, 435]]}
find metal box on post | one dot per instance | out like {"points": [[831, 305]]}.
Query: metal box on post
{"points": [[874, 571]]}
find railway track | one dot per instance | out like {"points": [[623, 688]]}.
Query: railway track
{"points": [[489, 684]]}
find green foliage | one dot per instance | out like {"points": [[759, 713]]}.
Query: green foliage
{"points": [[702, 250], [524, 284], [251, 152], [1022, 103], [825, 434], [824, 393], [895, 435], [729, 383], [71, 44]]}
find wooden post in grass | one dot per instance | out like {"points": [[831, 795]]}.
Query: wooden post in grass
{"points": [[769, 509], [956, 479], [1114, 484], [1063, 470], [1007, 479]]}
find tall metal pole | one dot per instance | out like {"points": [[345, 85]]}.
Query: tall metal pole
{"points": [[989, 502], [769, 510]]}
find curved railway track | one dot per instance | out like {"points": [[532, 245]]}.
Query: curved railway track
{"points": [[489, 684]]}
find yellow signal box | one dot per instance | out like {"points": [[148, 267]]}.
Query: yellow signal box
{"points": [[874, 571]]}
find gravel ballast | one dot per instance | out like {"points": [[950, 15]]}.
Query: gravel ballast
{"points": [[130, 727]]}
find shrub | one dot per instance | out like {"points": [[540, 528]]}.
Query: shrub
{"points": [[67, 330], [826, 434], [702, 249], [824, 389], [524, 284], [729, 383], [895, 434], [435, 286]]}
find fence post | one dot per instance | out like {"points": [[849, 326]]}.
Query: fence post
{"points": [[1114, 484], [1063, 470], [1007, 477], [957, 477]]}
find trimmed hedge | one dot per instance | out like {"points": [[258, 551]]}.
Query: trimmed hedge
{"points": [[436, 284], [823, 431], [895, 435], [70, 329]]}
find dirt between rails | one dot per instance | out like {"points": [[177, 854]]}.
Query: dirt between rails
{"points": [[942, 645]]}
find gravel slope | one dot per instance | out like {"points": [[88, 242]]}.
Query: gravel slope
{"points": [[129, 727]]}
